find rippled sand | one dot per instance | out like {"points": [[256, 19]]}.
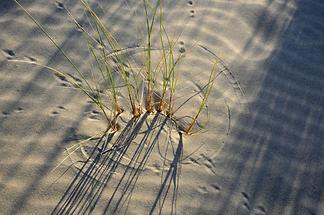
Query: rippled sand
{"points": [[263, 149]]}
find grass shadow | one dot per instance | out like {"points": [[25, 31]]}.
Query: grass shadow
{"points": [[97, 172]]}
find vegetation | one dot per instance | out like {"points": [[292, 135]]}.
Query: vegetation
{"points": [[149, 74]]}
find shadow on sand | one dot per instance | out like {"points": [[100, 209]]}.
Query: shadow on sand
{"points": [[97, 172]]}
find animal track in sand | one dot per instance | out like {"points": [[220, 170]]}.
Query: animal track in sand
{"points": [[63, 80], [5, 113], [246, 205], [156, 168], [59, 5], [60, 77], [54, 113], [95, 112], [19, 110], [245, 196], [182, 48], [16, 110], [212, 188], [190, 3], [8, 53], [216, 187], [61, 107], [260, 210], [192, 13], [64, 85], [246, 201], [57, 112], [94, 115], [202, 189], [209, 167]]}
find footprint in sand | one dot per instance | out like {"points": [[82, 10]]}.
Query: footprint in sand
{"points": [[215, 187], [60, 77], [190, 3], [246, 201], [9, 54], [54, 113], [245, 196], [202, 189], [61, 107], [5, 113], [59, 5], [19, 110], [57, 111], [156, 168], [64, 81], [94, 115], [260, 210], [192, 13], [182, 48]]}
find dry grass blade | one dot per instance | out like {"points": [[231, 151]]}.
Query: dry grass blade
{"points": [[205, 98]]}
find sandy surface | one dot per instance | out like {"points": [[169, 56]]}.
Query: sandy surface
{"points": [[271, 161]]}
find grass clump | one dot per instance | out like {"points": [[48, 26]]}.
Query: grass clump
{"points": [[161, 73]]}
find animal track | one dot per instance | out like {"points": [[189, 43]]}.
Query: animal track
{"points": [[209, 167], [54, 113], [95, 112], [19, 109], [156, 168], [59, 5], [202, 189], [246, 202], [190, 3], [246, 205], [192, 13], [94, 115], [9, 54], [60, 77], [182, 50], [245, 196], [260, 210], [64, 81], [5, 113], [57, 112], [61, 107], [216, 187], [64, 85]]}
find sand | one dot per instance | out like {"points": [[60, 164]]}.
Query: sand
{"points": [[262, 152]]}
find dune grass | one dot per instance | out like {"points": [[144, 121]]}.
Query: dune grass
{"points": [[163, 72]]}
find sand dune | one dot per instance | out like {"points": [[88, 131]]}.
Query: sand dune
{"points": [[262, 152]]}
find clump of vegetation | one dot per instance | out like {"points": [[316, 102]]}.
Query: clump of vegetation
{"points": [[163, 73]]}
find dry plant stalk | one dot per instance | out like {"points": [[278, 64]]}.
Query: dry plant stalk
{"points": [[167, 65]]}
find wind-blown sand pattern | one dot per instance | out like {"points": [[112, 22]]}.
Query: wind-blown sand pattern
{"points": [[263, 149]]}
